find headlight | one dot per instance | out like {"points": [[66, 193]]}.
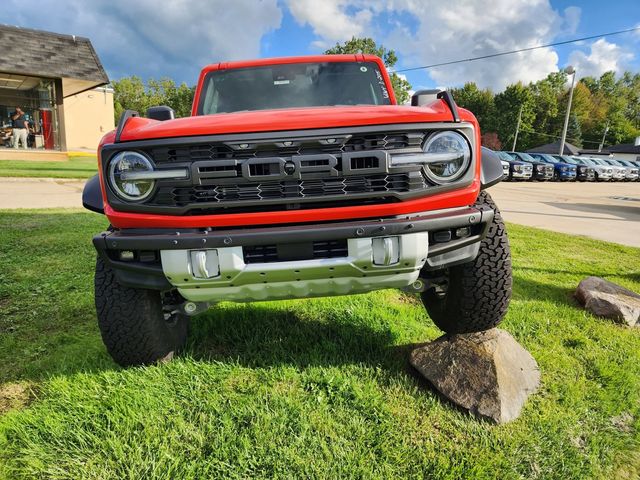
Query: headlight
{"points": [[132, 175], [455, 153], [127, 186]]}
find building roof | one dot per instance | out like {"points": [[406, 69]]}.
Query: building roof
{"points": [[594, 151], [624, 148], [28, 52], [554, 148]]}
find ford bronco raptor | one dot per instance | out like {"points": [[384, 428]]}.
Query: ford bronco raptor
{"points": [[294, 178]]}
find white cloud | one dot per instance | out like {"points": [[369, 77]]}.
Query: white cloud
{"points": [[444, 31], [460, 29], [572, 19], [330, 19], [603, 57], [174, 38]]}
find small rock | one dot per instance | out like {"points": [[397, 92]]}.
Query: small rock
{"points": [[488, 373], [606, 299]]}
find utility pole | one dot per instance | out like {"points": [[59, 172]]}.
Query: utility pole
{"points": [[606, 129], [570, 70], [515, 139]]}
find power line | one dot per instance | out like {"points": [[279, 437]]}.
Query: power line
{"points": [[557, 136], [511, 52]]}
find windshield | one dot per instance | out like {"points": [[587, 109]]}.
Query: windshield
{"points": [[292, 86], [570, 160], [505, 156], [526, 157], [599, 161]]}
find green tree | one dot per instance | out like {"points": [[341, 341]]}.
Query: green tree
{"points": [[367, 45], [574, 132], [546, 93], [508, 104], [131, 93], [480, 102]]}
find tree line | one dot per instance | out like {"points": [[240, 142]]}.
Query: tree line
{"points": [[605, 107], [608, 106]]}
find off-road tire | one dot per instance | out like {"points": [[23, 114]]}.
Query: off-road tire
{"points": [[477, 293], [132, 321]]}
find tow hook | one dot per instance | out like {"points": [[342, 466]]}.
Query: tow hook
{"points": [[193, 308], [420, 285]]}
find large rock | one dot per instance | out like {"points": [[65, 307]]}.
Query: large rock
{"points": [[606, 299], [487, 373]]}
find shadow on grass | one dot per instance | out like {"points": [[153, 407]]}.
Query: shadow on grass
{"points": [[527, 288], [257, 335], [633, 276]]}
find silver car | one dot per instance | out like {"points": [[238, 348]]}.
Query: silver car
{"points": [[624, 173], [618, 172], [633, 172], [604, 172]]}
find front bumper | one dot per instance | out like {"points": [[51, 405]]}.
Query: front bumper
{"points": [[604, 176], [567, 175], [160, 259], [586, 176], [521, 175]]}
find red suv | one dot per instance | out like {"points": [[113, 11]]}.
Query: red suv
{"points": [[292, 178]]}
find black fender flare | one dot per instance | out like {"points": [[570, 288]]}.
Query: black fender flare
{"points": [[92, 195], [490, 168]]}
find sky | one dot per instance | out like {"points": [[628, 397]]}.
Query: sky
{"points": [[176, 38]]}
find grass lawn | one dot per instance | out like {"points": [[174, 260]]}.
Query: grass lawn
{"points": [[307, 388], [75, 167]]}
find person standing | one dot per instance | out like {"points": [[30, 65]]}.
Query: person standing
{"points": [[20, 128]]}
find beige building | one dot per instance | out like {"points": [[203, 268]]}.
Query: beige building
{"points": [[60, 85], [87, 117]]}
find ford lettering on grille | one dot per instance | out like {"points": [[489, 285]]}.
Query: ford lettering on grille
{"points": [[296, 167]]}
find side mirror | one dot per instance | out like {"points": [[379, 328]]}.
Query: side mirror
{"points": [[161, 113], [424, 97]]}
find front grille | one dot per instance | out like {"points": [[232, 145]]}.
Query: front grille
{"points": [[292, 190], [300, 251], [284, 174]]}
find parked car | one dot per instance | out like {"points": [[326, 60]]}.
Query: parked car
{"points": [[585, 173], [618, 171], [541, 170], [291, 189], [561, 170], [635, 163], [603, 173], [518, 170], [631, 170], [505, 169]]}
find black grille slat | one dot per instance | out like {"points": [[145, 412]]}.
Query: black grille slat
{"points": [[356, 143], [400, 182], [319, 249]]}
